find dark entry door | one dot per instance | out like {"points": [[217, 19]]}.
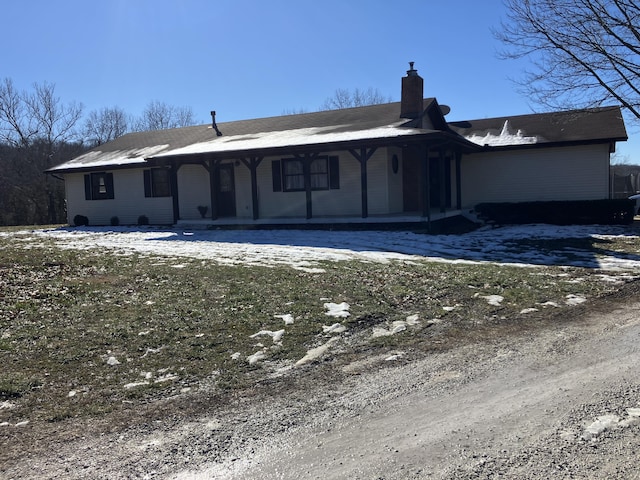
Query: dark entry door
{"points": [[440, 182], [411, 180], [226, 191]]}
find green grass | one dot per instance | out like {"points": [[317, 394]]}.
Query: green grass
{"points": [[64, 313]]}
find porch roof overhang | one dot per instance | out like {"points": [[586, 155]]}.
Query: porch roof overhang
{"points": [[302, 141]]}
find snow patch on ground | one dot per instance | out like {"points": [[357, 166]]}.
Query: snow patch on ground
{"points": [[275, 336], [495, 300], [610, 421], [339, 310], [335, 328], [524, 311], [274, 247], [286, 318], [396, 327], [256, 357], [574, 299], [316, 352]]}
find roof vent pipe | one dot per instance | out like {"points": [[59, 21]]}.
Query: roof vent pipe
{"points": [[412, 94], [213, 123]]}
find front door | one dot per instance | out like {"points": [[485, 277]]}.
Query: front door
{"points": [[226, 191], [411, 180], [440, 182]]}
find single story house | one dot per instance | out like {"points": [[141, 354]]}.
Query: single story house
{"points": [[394, 162]]}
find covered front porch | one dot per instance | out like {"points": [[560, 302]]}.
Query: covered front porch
{"points": [[436, 222], [414, 183]]}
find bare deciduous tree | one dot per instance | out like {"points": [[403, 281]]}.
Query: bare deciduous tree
{"points": [[34, 127], [27, 117], [160, 116], [16, 129], [104, 125], [54, 121], [345, 98], [583, 52]]}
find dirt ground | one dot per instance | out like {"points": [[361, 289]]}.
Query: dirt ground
{"points": [[557, 401]]}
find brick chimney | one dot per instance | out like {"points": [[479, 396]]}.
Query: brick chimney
{"points": [[412, 91]]}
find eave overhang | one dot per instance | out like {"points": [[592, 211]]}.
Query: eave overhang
{"points": [[428, 138]]}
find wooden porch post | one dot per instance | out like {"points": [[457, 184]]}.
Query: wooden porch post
{"points": [[307, 158], [442, 180], [425, 179], [252, 164], [173, 179], [306, 171], [363, 157], [213, 187]]}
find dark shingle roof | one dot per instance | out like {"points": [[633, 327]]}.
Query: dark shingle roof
{"points": [[574, 126], [134, 148], [375, 121]]}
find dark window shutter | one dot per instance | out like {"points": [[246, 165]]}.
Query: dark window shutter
{"points": [[276, 175], [334, 173], [108, 181], [147, 183], [87, 187]]}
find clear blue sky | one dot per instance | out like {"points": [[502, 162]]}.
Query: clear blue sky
{"points": [[256, 58]]}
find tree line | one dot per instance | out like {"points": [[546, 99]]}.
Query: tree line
{"points": [[38, 131]]}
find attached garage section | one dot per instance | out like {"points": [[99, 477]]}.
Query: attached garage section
{"points": [[529, 175]]}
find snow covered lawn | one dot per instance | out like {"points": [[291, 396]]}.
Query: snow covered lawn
{"points": [[305, 250]]}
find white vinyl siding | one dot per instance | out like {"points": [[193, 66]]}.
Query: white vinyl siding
{"points": [[344, 201], [277, 204], [193, 191], [128, 203], [244, 202], [377, 183], [563, 173]]}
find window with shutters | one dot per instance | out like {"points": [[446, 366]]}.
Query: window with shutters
{"points": [[157, 182], [292, 175], [98, 186], [289, 174]]}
